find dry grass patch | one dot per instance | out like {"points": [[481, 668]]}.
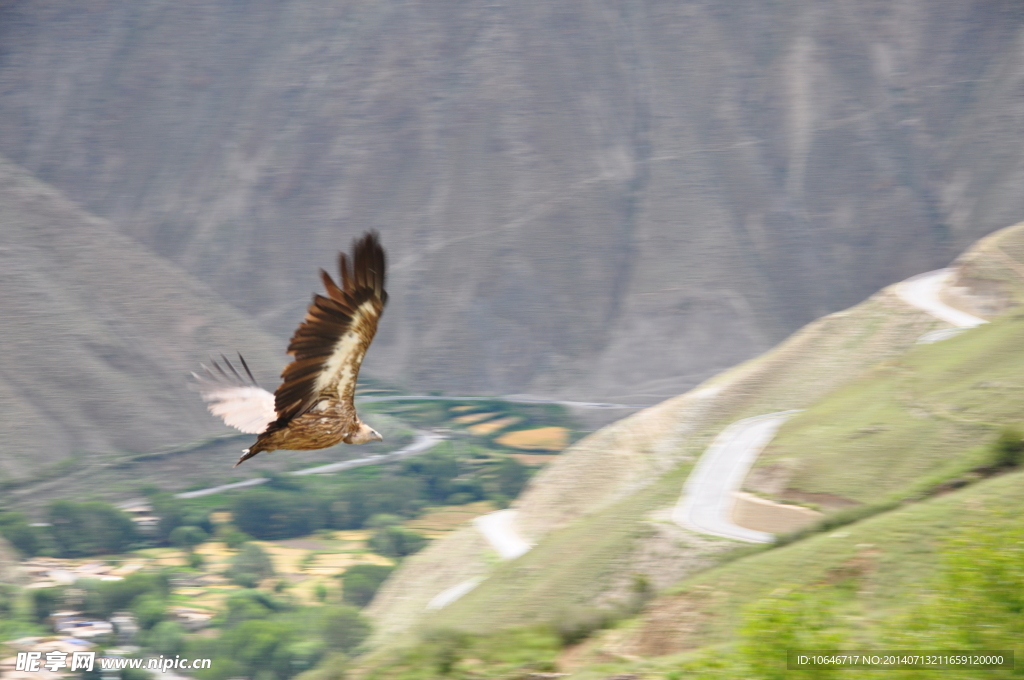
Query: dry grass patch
{"points": [[474, 417], [373, 558], [443, 520], [215, 554], [336, 561], [286, 560], [532, 459], [484, 429], [332, 564], [213, 598], [305, 591], [176, 558], [539, 439]]}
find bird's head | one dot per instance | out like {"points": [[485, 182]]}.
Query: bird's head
{"points": [[365, 435]]}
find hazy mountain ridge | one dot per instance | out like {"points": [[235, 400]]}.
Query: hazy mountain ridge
{"points": [[588, 199], [99, 336]]}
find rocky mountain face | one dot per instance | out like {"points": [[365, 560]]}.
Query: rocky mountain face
{"points": [[608, 199]]}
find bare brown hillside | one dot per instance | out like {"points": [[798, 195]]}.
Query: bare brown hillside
{"points": [[581, 198]]}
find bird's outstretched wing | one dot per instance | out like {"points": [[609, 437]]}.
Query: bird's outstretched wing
{"points": [[329, 345], [238, 400]]}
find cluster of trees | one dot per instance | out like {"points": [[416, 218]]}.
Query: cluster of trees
{"points": [[284, 508], [74, 530], [250, 566], [175, 513], [289, 507], [145, 595], [260, 633], [97, 528], [269, 636], [362, 581]]}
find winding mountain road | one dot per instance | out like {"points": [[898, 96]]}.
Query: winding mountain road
{"points": [[707, 499], [511, 400], [924, 291], [424, 441]]}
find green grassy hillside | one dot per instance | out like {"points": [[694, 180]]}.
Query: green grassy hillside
{"points": [[906, 419], [885, 418], [897, 580], [619, 480]]}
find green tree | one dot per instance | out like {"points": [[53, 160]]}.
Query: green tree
{"points": [[252, 604], [91, 528], [274, 514], [1008, 449], [384, 519], [356, 503], [435, 470], [255, 644], [167, 638], [232, 537], [187, 537], [395, 541], [45, 601], [170, 511], [15, 527], [344, 628], [149, 610], [362, 581], [250, 566], [103, 598], [135, 674], [511, 477]]}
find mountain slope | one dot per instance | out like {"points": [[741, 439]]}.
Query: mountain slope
{"points": [[943, 573], [599, 514], [602, 485], [902, 421], [886, 561], [587, 198], [99, 336]]}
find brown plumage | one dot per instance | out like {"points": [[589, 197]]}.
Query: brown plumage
{"points": [[313, 408]]}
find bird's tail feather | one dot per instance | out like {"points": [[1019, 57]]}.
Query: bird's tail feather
{"points": [[246, 455]]}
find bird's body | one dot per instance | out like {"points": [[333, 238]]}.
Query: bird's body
{"points": [[314, 406], [330, 422]]}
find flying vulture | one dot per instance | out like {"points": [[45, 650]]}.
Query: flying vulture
{"points": [[313, 407]]}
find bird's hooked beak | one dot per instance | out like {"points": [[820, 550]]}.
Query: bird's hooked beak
{"points": [[377, 435]]}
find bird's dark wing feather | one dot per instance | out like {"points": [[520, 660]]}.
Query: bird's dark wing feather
{"points": [[329, 345]]}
